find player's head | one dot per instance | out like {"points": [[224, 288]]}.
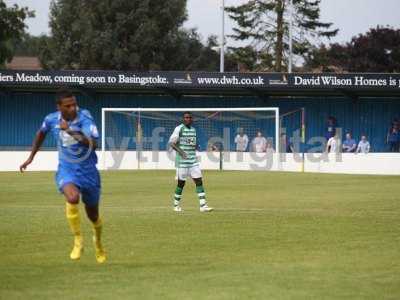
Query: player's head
{"points": [[187, 118], [259, 134], [66, 104]]}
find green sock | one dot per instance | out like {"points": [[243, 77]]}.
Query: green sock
{"points": [[201, 194], [178, 195]]}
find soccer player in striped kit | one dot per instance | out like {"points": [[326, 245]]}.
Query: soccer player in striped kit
{"points": [[184, 141]]}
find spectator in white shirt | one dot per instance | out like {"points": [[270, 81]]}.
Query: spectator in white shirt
{"points": [[333, 145], [363, 145], [241, 141], [259, 143], [270, 146]]}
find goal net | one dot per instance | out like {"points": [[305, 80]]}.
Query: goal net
{"points": [[136, 132]]}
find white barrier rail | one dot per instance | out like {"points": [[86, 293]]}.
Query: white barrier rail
{"points": [[346, 163]]}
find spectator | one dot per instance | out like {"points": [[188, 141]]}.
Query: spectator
{"points": [[331, 125], [333, 145], [349, 145], [269, 146], [363, 145], [259, 143], [241, 141], [393, 138]]}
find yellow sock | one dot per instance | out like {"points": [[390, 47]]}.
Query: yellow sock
{"points": [[100, 253], [72, 212], [97, 228]]}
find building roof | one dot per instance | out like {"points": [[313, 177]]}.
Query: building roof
{"points": [[24, 63]]}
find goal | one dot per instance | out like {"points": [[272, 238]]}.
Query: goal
{"points": [[139, 131]]}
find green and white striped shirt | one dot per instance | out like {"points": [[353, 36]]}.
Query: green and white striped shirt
{"points": [[186, 139]]}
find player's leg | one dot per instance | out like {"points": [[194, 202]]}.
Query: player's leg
{"points": [[93, 215], [71, 193], [181, 175], [91, 197], [178, 195], [196, 175]]}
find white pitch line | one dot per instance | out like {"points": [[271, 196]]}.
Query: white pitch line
{"points": [[129, 207], [152, 208], [194, 211]]}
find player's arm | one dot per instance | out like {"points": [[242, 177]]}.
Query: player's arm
{"points": [[368, 147], [78, 136], [173, 143], [37, 143], [81, 138], [358, 150], [179, 150]]}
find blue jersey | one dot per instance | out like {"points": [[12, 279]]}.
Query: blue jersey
{"points": [[77, 162], [73, 155]]}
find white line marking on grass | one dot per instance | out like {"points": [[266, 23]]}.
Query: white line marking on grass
{"points": [[130, 208], [194, 211]]}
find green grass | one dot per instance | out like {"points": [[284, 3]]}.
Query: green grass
{"points": [[272, 236]]}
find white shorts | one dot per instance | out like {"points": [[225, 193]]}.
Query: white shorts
{"points": [[184, 173]]}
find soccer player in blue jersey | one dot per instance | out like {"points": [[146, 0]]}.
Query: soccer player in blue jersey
{"points": [[77, 176]]}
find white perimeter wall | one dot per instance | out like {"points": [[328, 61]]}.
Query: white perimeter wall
{"points": [[372, 163]]}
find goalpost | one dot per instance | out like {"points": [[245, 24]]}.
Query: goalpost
{"points": [[148, 129]]}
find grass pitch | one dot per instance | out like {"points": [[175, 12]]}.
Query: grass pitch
{"points": [[272, 236]]}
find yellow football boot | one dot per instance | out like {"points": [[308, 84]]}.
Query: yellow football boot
{"points": [[100, 253], [77, 250]]}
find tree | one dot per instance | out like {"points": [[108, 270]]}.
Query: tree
{"points": [[30, 45], [12, 27], [186, 52], [375, 51], [136, 35], [38, 46], [198, 57], [324, 58], [121, 34], [265, 24]]}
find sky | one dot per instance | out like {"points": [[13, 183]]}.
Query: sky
{"points": [[352, 17]]}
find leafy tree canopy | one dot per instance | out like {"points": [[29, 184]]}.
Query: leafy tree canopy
{"points": [[12, 28]]}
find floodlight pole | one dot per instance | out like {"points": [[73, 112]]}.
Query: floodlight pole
{"points": [[222, 46], [291, 38]]}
